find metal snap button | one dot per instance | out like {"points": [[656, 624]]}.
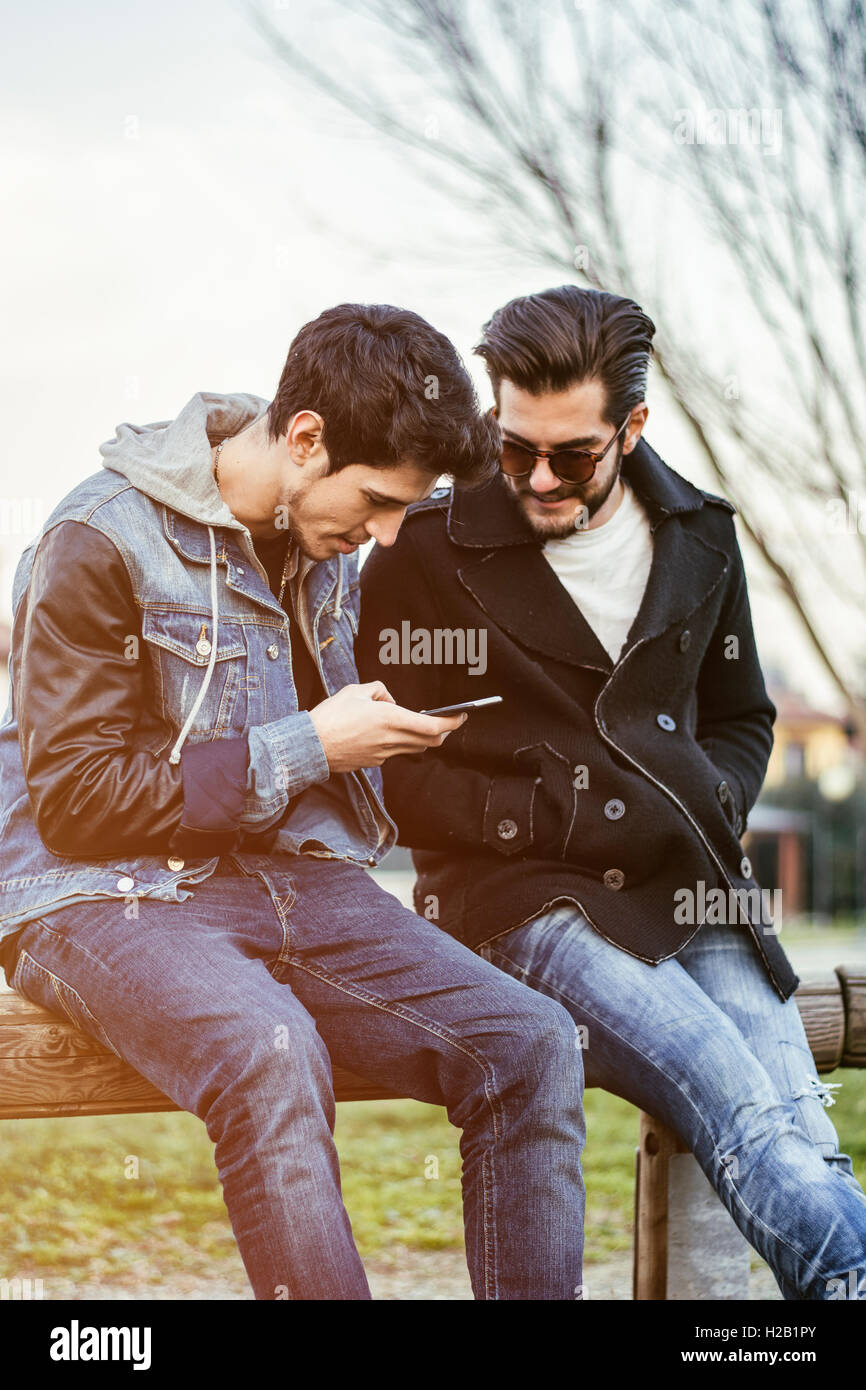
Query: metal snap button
{"points": [[664, 721], [739, 826], [746, 867], [723, 792], [240, 571], [614, 809], [175, 862], [613, 878], [202, 646], [124, 884], [685, 640], [273, 651], [506, 829]]}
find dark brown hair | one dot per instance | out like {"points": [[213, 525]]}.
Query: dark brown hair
{"points": [[390, 390], [551, 340]]}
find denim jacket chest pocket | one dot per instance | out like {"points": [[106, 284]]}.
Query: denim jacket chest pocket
{"points": [[180, 644]]}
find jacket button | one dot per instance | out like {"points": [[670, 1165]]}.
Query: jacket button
{"points": [[124, 884], [175, 862], [614, 809], [685, 640], [273, 651], [739, 825], [746, 867], [723, 792], [614, 878], [506, 829], [240, 571], [202, 646], [664, 721]]}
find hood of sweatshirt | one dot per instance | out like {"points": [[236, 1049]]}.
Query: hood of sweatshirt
{"points": [[170, 461]]}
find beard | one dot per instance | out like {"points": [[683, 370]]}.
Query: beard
{"points": [[588, 498]]}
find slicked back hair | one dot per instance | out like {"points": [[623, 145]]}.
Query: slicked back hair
{"points": [[552, 340], [390, 389]]}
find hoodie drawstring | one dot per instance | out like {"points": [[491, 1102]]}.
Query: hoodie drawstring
{"points": [[174, 756], [338, 612]]}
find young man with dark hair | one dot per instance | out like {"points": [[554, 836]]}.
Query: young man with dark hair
{"points": [[190, 793], [584, 835]]}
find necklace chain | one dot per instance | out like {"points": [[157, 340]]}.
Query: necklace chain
{"points": [[216, 473]]}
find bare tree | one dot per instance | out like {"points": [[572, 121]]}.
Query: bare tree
{"points": [[607, 143]]}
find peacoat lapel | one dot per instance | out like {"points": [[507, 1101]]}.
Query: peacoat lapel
{"points": [[510, 579]]}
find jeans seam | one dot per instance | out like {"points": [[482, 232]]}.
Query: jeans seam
{"points": [[488, 1072], [282, 906], [57, 980], [71, 940]]}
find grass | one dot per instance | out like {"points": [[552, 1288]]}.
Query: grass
{"points": [[71, 1208]]}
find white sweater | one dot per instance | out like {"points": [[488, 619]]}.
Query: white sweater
{"points": [[605, 570]]}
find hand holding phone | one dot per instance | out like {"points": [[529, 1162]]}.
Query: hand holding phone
{"points": [[362, 725]]}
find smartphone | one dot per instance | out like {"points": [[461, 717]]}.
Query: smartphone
{"points": [[469, 704]]}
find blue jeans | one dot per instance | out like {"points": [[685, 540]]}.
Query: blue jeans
{"points": [[705, 1044], [235, 1002]]}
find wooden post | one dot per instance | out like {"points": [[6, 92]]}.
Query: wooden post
{"points": [[657, 1143]]}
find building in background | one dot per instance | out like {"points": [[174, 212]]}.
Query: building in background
{"points": [[807, 833]]}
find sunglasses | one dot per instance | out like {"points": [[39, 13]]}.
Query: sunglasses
{"points": [[568, 465]]}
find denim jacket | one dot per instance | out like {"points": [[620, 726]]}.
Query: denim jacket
{"points": [[216, 644]]}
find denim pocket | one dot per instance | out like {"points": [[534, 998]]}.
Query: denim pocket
{"points": [[42, 986], [180, 648]]}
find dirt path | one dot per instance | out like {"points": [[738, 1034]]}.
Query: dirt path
{"points": [[402, 1276]]}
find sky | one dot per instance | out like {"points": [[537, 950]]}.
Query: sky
{"points": [[175, 207]]}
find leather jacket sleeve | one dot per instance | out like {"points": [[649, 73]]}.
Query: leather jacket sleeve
{"points": [[79, 700]]}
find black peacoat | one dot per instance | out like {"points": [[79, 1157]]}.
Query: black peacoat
{"points": [[624, 787]]}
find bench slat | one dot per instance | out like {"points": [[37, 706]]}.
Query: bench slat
{"points": [[49, 1067]]}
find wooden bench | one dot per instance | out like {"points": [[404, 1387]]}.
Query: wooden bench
{"points": [[48, 1067]]}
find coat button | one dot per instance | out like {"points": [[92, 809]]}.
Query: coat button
{"points": [[614, 878], [506, 829], [723, 792], [739, 825], [614, 809], [175, 862], [685, 640], [746, 867], [125, 884], [664, 721], [273, 651]]}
